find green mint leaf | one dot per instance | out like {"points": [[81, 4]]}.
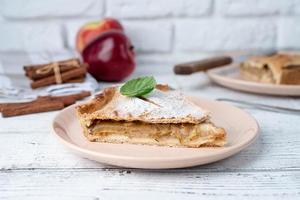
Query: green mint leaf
{"points": [[138, 87]]}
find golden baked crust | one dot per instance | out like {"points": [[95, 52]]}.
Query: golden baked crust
{"points": [[114, 118], [112, 105], [277, 69]]}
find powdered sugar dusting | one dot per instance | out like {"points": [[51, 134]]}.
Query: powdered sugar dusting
{"points": [[170, 105]]}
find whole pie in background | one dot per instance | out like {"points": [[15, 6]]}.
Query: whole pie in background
{"points": [[276, 69]]}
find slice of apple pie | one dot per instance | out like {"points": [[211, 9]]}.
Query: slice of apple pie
{"points": [[165, 117], [277, 69]]}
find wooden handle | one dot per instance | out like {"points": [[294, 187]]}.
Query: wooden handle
{"points": [[202, 65]]}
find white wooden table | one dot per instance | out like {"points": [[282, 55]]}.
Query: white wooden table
{"points": [[34, 165]]}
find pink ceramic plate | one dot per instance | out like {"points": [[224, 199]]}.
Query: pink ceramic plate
{"points": [[242, 130], [229, 77]]}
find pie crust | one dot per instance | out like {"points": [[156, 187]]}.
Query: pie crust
{"points": [[165, 117]]}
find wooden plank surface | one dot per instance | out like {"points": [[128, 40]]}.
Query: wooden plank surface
{"points": [[143, 184], [34, 165]]}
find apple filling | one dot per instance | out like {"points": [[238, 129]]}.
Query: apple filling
{"points": [[260, 74], [187, 134]]}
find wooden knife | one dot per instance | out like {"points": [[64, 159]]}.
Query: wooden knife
{"points": [[218, 61]]}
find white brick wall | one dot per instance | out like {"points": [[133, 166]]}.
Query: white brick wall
{"points": [[256, 7], [289, 33], [150, 36], [34, 37], [26, 9], [163, 30], [229, 34], [158, 8]]}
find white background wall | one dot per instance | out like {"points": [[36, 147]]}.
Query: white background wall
{"points": [[163, 31]]}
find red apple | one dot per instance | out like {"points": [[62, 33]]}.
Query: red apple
{"points": [[110, 56], [91, 30]]}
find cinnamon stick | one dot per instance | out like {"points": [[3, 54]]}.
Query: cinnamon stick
{"points": [[65, 76], [65, 65], [66, 99], [37, 107], [13, 105], [8, 109], [62, 62], [72, 98]]}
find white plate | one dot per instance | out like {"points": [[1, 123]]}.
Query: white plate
{"points": [[229, 77], [241, 128]]}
